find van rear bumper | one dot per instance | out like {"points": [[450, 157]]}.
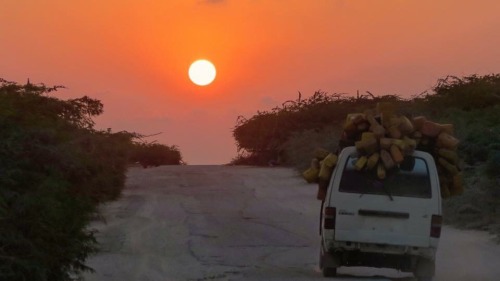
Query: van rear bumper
{"points": [[387, 256], [385, 249], [405, 263]]}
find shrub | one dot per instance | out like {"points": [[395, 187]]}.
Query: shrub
{"points": [[300, 146], [466, 93], [54, 168], [154, 154], [265, 134]]}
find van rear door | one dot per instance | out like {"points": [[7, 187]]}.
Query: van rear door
{"points": [[397, 210]]}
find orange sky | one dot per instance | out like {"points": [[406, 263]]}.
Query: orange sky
{"points": [[134, 56]]}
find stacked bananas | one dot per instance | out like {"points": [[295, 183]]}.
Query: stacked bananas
{"points": [[321, 169]]}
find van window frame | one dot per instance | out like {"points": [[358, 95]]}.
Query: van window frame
{"points": [[383, 190]]}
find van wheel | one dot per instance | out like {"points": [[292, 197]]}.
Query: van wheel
{"points": [[327, 271]]}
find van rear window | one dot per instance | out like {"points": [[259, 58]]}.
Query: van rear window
{"points": [[410, 179]]}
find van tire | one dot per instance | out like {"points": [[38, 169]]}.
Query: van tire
{"points": [[425, 269], [325, 261]]}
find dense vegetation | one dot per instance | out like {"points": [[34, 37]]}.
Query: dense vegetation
{"points": [[54, 170], [155, 154], [288, 134]]}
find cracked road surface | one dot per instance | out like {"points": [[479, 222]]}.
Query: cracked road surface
{"points": [[240, 223]]}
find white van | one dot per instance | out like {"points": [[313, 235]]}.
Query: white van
{"points": [[390, 223]]}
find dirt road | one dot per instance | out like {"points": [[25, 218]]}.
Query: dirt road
{"points": [[241, 223]]}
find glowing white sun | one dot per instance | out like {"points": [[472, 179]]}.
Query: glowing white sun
{"points": [[202, 72]]}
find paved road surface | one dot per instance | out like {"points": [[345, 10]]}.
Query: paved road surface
{"points": [[200, 223]]}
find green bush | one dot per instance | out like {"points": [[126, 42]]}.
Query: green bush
{"points": [[472, 103], [154, 155], [54, 169], [466, 93], [264, 136], [300, 146]]}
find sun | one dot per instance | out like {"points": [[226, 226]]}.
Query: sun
{"points": [[202, 72]]}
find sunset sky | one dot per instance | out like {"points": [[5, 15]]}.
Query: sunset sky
{"points": [[134, 56]]}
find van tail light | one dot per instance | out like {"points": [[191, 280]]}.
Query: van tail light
{"points": [[329, 218], [436, 223]]}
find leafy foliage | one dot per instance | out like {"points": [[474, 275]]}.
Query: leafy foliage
{"points": [[263, 137], [154, 154], [303, 143], [54, 170], [466, 93], [43, 226], [471, 103]]}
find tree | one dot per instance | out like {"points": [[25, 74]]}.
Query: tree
{"points": [[55, 167], [155, 154]]}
